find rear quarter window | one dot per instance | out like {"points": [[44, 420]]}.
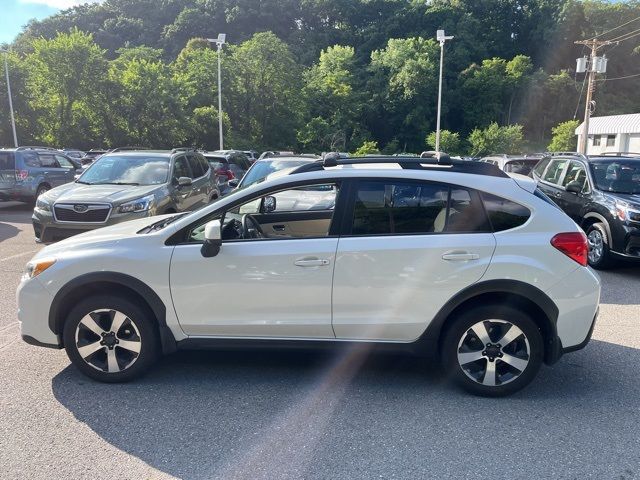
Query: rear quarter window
{"points": [[504, 214], [541, 165], [7, 161]]}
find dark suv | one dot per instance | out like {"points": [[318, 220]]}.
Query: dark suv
{"points": [[28, 172], [602, 194], [230, 163]]}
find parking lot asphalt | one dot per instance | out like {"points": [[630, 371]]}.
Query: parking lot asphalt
{"points": [[352, 414]]}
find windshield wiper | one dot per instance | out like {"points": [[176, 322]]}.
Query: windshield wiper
{"points": [[162, 223], [115, 183], [84, 183]]}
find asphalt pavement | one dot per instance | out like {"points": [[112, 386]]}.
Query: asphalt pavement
{"points": [[353, 414]]}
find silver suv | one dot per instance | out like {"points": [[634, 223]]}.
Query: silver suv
{"points": [[28, 172], [122, 186]]}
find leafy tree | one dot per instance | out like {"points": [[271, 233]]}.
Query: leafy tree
{"points": [[564, 138], [62, 81], [367, 148], [449, 141], [496, 139]]}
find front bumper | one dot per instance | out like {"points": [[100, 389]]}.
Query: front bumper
{"points": [[34, 302], [48, 230]]}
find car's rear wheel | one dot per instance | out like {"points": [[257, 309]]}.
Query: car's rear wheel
{"points": [[42, 189], [599, 255], [110, 338], [493, 351]]}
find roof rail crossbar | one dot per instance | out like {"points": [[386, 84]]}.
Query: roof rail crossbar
{"points": [[620, 154], [416, 163], [35, 147], [183, 149], [563, 154]]}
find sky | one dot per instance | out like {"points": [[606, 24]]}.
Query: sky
{"points": [[14, 14]]}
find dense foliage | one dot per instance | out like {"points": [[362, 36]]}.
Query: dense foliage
{"points": [[315, 75]]}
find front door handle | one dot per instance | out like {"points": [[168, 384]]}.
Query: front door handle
{"points": [[279, 228], [311, 262], [460, 256]]}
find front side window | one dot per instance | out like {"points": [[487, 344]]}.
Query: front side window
{"points": [[575, 173], [384, 208], [64, 162], [196, 167], [181, 169], [554, 172], [48, 160], [302, 212]]}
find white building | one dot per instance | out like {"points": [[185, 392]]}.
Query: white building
{"points": [[615, 133]]}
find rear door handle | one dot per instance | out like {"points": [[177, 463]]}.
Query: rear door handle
{"points": [[311, 262], [460, 257], [279, 228]]}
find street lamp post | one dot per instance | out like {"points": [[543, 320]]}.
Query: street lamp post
{"points": [[219, 42], [13, 120], [440, 36]]}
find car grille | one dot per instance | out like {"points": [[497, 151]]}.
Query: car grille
{"points": [[81, 212]]}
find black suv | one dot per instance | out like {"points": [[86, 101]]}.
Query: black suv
{"points": [[602, 194]]}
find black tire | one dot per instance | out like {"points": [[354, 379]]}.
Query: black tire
{"points": [[604, 261], [139, 326], [41, 189], [496, 319]]}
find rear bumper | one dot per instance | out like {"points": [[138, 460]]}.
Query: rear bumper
{"points": [[22, 192], [583, 344]]}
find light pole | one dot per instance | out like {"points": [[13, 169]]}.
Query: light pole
{"points": [[440, 36], [219, 42], [13, 120]]}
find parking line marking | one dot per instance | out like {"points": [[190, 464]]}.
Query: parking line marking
{"points": [[17, 255]]}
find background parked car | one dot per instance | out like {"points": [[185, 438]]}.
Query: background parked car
{"points": [[28, 172], [73, 153], [231, 164], [252, 155], [122, 186], [602, 195], [91, 156], [264, 167], [522, 164]]}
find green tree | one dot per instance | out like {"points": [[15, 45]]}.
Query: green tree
{"points": [[564, 138], [449, 141], [495, 139], [64, 74], [367, 148]]}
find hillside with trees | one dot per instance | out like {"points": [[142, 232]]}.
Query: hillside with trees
{"points": [[315, 75]]}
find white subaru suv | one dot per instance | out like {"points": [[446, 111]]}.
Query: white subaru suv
{"points": [[451, 259]]}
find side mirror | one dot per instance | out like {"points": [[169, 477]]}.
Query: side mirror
{"points": [[212, 239], [574, 187], [184, 182], [268, 204], [233, 183]]}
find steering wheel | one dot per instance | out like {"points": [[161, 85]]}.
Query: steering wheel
{"points": [[250, 227]]}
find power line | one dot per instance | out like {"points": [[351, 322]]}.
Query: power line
{"points": [[615, 28], [626, 36], [618, 78], [580, 96]]}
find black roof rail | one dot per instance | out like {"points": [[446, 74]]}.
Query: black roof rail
{"points": [[415, 163], [35, 147], [617, 154], [125, 149], [184, 149], [565, 154]]}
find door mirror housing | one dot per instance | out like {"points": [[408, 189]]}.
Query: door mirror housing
{"points": [[574, 187], [184, 182], [212, 239], [233, 183], [268, 204]]}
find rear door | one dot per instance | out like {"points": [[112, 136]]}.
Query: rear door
{"points": [[51, 171], [68, 167], [201, 184], [572, 203], [551, 179], [407, 248], [185, 199]]}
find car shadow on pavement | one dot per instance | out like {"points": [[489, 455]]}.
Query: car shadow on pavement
{"points": [[256, 414], [7, 231], [621, 283]]}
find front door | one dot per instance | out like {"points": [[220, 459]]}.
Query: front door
{"points": [[572, 203], [264, 282], [412, 246]]}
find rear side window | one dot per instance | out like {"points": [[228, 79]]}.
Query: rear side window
{"points": [[7, 161], [383, 208], [196, 167], [504, 214]]}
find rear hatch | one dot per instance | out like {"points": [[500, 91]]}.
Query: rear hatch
{"points": [[7, 170]]}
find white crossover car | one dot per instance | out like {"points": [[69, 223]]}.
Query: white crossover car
{"points": [[455, 260]]}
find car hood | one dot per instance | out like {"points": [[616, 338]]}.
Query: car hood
{"points": [[114, 194], [100, 236], [632, 199]]}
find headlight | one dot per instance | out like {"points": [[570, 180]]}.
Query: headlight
{"points": [[43, 205], [625, 213], [34, 269], [139, 205]]}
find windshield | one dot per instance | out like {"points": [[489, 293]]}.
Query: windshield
{"points": [[617, 176], [262, 169], [127, 170]]}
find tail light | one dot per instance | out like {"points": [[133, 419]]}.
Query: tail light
{"points": [[225, 171], [22, 174], [573, 245]]}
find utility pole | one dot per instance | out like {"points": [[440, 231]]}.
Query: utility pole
{"points": [[13, 120], [591, 66], [441, 37]]}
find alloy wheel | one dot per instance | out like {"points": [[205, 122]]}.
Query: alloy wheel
{"points": [[596, 245], [108, 340], [493, 352]]}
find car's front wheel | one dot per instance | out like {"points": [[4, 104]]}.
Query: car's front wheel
{"points": [[598, 241], [493, 350], [110, 338]]}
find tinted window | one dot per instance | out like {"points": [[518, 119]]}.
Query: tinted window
{"points": [[6, 161], [47, 160], [181, 169], [401, 208], [203, 164], [554, 172], [64, 162], [196, 167], [504, 214], [575, 173]]}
